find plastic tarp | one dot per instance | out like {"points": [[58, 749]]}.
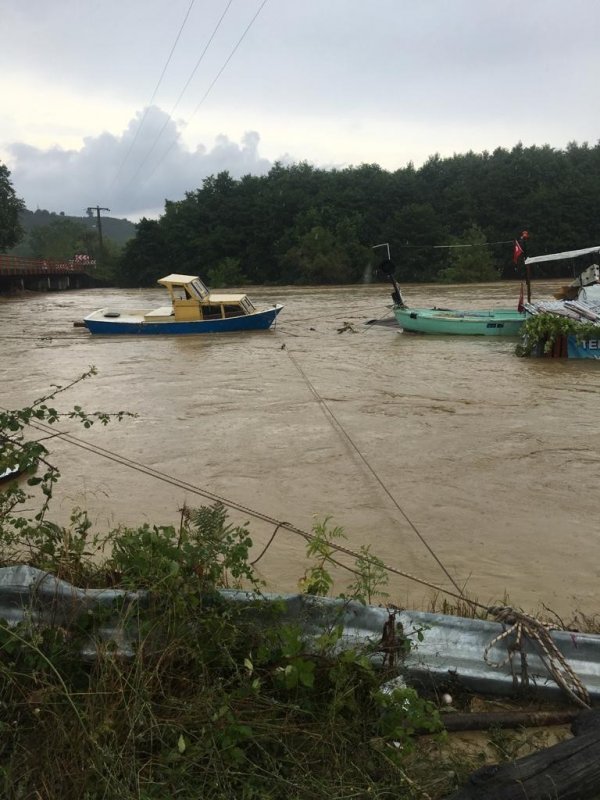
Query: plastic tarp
{"points": [[450, 654], [566, 254]]}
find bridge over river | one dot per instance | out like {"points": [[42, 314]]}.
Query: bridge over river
{"points": [[45, 275]]}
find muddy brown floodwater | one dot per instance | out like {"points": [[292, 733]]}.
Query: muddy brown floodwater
{"points": [[495, 459]]}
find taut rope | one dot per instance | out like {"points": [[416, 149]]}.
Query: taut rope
{"points": [[520, 624]]}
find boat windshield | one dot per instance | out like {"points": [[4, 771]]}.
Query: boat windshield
{"points": [[197, 289]]}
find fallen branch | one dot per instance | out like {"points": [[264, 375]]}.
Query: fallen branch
{"points": [[485, 721]]}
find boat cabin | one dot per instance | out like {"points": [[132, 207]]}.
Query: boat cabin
{"points": [[192, 300]]}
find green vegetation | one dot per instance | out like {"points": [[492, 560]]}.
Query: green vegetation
{"points": [[44, 235], [59, 237], [227, 273], [544, 329], [145, 259], [215, 699], [118, 231], [470, 260], [10, 206], [185, 692], [302, 225]]}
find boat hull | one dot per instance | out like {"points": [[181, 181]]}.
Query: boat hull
{"points": [[9, 473], [134, 324], [495, 322]]}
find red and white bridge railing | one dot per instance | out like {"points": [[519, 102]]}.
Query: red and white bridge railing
{"points": [[16, 265]]}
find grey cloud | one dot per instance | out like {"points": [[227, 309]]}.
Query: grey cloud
{"points": [[131, 173]]}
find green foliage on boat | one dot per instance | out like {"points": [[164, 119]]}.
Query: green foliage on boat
{"points": [[542, 330]]}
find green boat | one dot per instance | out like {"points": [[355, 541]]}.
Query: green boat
{"points": [[444, 321], [450, 321]]}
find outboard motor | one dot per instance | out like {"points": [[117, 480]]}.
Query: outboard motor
{"points": [[388, 268]]}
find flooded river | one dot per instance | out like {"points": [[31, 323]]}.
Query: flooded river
{"points": [[493, 458]]}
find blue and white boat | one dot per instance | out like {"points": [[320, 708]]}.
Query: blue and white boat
{"points": [[193, 309]]}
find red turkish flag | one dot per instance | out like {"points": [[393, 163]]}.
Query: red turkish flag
{"points": [[517, 252]]}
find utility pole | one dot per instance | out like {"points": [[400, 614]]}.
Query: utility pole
{"points": [[98, 209]]}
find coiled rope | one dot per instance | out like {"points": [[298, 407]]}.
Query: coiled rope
{"points": [[520, 625]]}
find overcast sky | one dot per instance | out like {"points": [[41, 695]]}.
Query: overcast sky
{"points": [[87, 119]]}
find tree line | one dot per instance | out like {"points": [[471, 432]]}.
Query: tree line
{"points": [[299, 224]]}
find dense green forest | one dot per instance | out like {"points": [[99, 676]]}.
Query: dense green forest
{"points": [[303, 225], [299, 224]]}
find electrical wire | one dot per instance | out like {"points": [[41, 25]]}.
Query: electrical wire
{"points": [[449, 246], [523, 624], [182, 92], [149, 104], [207, 92]]}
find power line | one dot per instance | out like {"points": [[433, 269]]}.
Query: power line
{"points": [[187, 83], [207, 92], [146, 109], [448, 246], [229, 57]]}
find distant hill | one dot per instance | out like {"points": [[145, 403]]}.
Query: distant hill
{"points": [[119, 230]]}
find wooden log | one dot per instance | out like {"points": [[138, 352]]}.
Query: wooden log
{"points": [[566, 771], [486, 720]]}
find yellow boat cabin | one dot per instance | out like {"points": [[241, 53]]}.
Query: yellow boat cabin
{"points": [[192, 300]]}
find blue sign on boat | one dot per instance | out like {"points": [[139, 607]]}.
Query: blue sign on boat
{"points": [[587, 348]]}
